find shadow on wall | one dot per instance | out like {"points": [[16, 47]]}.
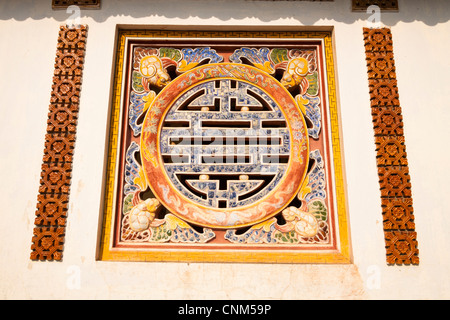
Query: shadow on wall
{"points": [[429, 12]]}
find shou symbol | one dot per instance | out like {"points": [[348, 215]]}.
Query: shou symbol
{"points": [[227, 133], [393, 172], [54, 189], [224, 146]]}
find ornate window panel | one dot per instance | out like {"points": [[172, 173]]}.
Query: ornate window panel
{"points": [[53, 197], [224, 146], [393, 172]]}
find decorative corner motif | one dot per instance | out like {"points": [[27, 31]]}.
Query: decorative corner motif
{"points": [[54, 189], [392, 163]]}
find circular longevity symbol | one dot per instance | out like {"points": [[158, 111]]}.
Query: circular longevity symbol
{"points": [[224, 146]]}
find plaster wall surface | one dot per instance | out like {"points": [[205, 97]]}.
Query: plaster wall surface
{"points": [[28, 34]]}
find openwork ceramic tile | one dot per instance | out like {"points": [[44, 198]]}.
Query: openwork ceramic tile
{"points": [[392, 162], [224, 147], [56, 173]]}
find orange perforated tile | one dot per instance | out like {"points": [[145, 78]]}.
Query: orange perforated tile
{"points": [[398, 214], [51, 209], [387, 121], [59, 147], [378, 40], [47, 243], [380, 65], [401, 247], [383, 92], [391, 151], [394, 181]]}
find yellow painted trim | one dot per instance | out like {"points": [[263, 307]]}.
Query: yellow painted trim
{"points": [[340, 256]]}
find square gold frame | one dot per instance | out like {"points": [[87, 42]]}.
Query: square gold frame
{"points": [[106, 252]]}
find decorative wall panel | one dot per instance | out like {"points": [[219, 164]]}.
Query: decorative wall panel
{"points": [[393, 171], [224, 146], [54, 189], [83, 4], [300, 0], [384, 5]]}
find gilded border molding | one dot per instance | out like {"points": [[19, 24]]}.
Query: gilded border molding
{"points": [[392, 163], [54, 189]]}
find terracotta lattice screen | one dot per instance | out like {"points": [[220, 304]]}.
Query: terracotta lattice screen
{"points": [[393, 171], [54, 189], [224, 146]]}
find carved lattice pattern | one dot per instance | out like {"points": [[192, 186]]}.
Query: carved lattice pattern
{"points": [[393, 171], [362, 5], [84, 4], [54, 189]]}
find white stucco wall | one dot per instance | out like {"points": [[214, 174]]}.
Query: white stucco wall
{"points": [[28, 34]]}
